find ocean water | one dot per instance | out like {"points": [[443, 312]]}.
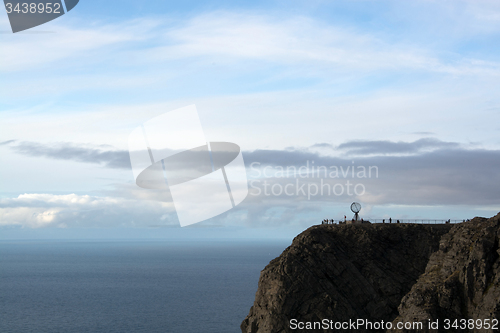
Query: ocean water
{"points": [[130, 286]]}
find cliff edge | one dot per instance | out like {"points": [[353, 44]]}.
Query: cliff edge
{"points": [[342, 272], [461, 280]]}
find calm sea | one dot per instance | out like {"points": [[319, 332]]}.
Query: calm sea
{"points": [[132, 286]]}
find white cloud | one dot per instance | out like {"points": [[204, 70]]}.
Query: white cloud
{"points": [[43, 210], [28, 216], [305, 41], [24, 51], [224, 35]]}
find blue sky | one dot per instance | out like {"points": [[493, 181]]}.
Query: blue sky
{"points": [[411, 87]]}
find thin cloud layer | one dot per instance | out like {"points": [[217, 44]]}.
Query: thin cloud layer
{"points": [[304, 40], [387, 147], [71, 210], [234, 36], [117, 159], [69, 42]]}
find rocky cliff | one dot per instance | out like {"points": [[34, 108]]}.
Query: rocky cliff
{"points": [[381, 272], [462, 280], [342, 272]]}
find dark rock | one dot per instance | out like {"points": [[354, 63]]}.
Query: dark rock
{"points": [[342, 272], [462, 279]]}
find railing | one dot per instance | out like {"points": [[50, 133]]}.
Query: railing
{"points": [[416, 221], [402, 221]]}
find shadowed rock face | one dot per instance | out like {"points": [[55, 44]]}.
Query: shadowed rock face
{"points": [[342, 272], [462, 279]]}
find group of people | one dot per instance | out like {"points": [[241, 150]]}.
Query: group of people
{"points": [[327, 221], [331, 221]]}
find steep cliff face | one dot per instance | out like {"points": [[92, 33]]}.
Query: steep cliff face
{"points": [[462, 279], [342, 272]]}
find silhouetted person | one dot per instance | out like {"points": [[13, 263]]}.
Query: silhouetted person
{"points": [[390, 219], [397, 222], [383, 221]]}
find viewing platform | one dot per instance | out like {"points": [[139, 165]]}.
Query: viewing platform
{"points": [[356, 219], [396, 221]]}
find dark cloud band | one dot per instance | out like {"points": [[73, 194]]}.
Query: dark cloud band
{"points": [[444, 175]]}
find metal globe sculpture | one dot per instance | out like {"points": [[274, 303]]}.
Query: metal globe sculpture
{"points": [[355, 208]]}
